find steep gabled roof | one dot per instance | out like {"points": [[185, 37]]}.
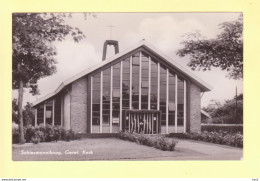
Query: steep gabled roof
{"points": [[203, 85]]}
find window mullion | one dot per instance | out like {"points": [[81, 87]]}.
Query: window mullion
{"points": [[101, 102], [140, 79]]}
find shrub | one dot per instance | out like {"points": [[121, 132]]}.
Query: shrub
{"points": [[231, 128], [43, 133], [221, 137], [29, 133], [68, 135], [15, 133], [156, 141]]}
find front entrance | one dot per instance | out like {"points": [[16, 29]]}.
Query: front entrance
{"points": [[141, 121]]}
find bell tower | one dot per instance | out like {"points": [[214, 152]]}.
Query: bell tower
{"points": [[109, 43]]}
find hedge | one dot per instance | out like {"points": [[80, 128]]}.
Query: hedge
{"points": [[156, 141], [230, 128], [221, 137], [41, 133]]}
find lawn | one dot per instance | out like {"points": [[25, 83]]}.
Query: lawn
{"points": [[116, 149], [94, 149]]}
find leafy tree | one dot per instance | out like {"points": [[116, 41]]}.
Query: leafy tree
{"points": [[33, 52], [28, 114], [228, 113], [226, 51]]}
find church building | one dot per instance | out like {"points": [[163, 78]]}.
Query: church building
{"points": [[137, 90]]}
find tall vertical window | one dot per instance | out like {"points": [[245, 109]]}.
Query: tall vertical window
{"points": [[171, 105], [144, 81], [154, 84], [57, 117], [135, 80], [106, 98], [116, 96], [180, 101], [96, 99], [40, 113], [48, 113], [163, 75], [126, 84]]}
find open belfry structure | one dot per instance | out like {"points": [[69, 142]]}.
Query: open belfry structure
{"points": [[138, 90]]}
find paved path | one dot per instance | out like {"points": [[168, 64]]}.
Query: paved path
{"points": [[116, 149], [197, 150]]}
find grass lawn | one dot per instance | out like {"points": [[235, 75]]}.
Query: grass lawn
{"points": [[116, 149]]}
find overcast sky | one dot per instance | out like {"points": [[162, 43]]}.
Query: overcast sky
{"points": [[163, 30]]}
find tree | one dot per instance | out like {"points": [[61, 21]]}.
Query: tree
{"points": [[28, 114], [227, 113], [33, 52], [226, 51], [15, 111]]}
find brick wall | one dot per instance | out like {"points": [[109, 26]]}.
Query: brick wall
{"points": [[195, 108], [79, 105]]}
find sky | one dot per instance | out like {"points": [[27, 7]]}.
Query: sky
{"points": [[164, 30]]}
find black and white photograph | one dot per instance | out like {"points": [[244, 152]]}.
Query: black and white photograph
{"points": [[127, 86]]}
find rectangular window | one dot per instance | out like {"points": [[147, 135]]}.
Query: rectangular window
{"points": [[126, 83], [116, 97], [135, 80], [106, 100], [172, 104], [96, 99], [163, 75], [144, 81], [180, 101], [154, 84]]}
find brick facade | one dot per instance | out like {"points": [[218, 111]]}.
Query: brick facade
{"points": [[195, 108], [79, 105]]}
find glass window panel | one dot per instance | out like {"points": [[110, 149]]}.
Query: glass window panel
{"points": [[154, 106], [180, 101], [106, 106], [106, 112], [171, 119], [180, 122], [163, 121], [145, 73], [135, 97], [145, 57], [163, 93], [97, 76], [126, 76], [95, 121], [135, 80], [144, 106], [116, 66], [106, 119], [96, 97], [115, 113], [96, 107], [116, 99], [96, 85], [136, 59], [154, 68], [135, 105], [125, 103], [116, 84], [145, 84], [96, 114], [153, 98], [116, 106], [154, 88]]}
